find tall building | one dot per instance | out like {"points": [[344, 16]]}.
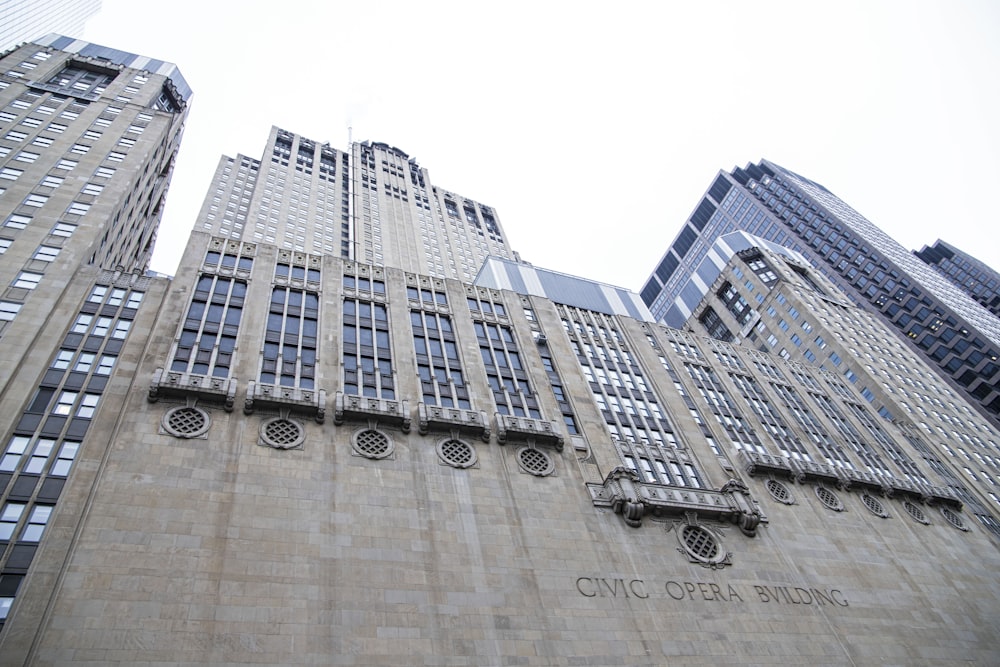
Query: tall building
{"points": [[323, 444], [768, 297], [374, 204], [978, 280], [955, 334], [29, 20], [88, 136]]}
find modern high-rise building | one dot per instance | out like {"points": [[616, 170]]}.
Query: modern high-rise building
{"points": [[30, 20], [955, 334], [322, 444], [975, 278]]}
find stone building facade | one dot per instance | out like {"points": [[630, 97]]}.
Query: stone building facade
{"points": [[303, 457]]}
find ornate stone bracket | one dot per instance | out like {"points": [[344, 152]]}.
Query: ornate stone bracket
{"points": [[363, 408], [755, 463], [521, 429], [941, 495], [205, 387], [817, 472], [304, 401], [634, 499], [436, 418]]}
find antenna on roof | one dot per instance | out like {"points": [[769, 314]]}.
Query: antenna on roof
{"points": [[350, 134]]}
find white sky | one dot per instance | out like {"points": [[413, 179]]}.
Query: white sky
{"points": [[594, 129]]}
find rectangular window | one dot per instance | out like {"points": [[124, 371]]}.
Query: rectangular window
{"points": [[88, 406], [77, 208], [4, 244], [10, 174], [106, 365], [67, 165], [46, 253], [64, 405], [63, 229], [8, 310], [9, 518], [15, 450], [121, 329], [52, 182], [104, 172], [27, 280], [37, 521], [82, 324], [26, 156], [18, 221], [36, 201], [56, 128], [14, 135], [92, 189], [115, 156], [80, 149], [64, 461], [44, 142]]}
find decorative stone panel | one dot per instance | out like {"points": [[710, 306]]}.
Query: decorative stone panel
{"points": [[436, 418], [350, 407], [755, 463], [627, 495], [526, 429], [311, 402], [187, 385]]}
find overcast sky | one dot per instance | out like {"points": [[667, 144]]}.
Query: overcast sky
{"points": [[593, 128]]}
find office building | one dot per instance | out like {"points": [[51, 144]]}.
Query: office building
{"points": [[973, 277], [768, 297], [956, 335], [374, 204], [308, 456], [29, 20], [88, 136], [394, 443]]}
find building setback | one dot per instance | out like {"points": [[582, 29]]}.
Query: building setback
{"points": [[955, 334], [973, 277], [799, 315], [309, 456]]}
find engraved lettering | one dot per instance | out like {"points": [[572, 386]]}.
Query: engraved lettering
{"points": [[733, 595], [677, 592], [762, 593], [641, 593], [717, 592], [689, 587], [834, 593], [804, 593], [579, 586], [704, 592], [820, 597]]}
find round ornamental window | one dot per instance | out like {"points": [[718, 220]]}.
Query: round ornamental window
{"points": [[915, 512], [534, 461], [282, 433], [953, 518], [456, 453], [874, 505], [700, 544], [779, 491], [186, 422], [372, 444], [829, 498]]}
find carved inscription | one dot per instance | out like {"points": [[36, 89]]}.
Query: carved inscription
{"points": [[709, 591]]}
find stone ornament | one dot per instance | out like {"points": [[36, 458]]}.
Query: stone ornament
{"points": [[186, 422]]}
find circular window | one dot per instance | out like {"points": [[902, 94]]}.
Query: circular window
{"points": [[534, 461], [874, 505], [953, 518], [456, 453], [915, 512], [779, 491], [372, 444], [700, 544], [282, 433], [186, 422], [829, 498]]}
